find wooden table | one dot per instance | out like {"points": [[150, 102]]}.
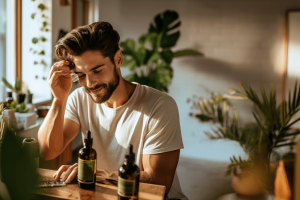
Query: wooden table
{"points": [[102, 191]]}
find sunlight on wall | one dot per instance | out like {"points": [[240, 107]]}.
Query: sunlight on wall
{"points": [[293, 64]]}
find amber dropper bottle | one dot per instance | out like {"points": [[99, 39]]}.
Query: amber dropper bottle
{"points": [[129, 178], [87, 164]]}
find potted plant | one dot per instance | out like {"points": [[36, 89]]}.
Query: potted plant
{"points": [[150, 60], [17, 169], [29, 97], [16, 89], [23, 117], [273, 128]]}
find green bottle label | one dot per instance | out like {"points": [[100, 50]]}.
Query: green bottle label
{"points": [[86, 170], [126, 188]]}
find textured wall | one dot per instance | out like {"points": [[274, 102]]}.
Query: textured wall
{"points": [[242, 41]]}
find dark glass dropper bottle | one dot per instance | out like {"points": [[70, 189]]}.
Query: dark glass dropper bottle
{"points": [[129, 178], [87, 164]]}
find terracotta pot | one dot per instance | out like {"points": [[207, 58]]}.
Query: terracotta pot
{"points": [[246, 185]]}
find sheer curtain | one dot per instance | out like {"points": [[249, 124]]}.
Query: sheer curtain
{"points": [[2, 46]]}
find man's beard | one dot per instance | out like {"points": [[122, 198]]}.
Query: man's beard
{"points": [[110, 88]]}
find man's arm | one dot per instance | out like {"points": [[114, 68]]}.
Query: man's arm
{"points": [[160, 168], [56, 132], [155, 168]]}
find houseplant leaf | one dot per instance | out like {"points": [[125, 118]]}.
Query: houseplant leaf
{"points": [[129, 49], [187, 52], [169, 40], [17, 85], [8, 85], [167, 55]]}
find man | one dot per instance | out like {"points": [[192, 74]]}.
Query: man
{"points": [[117, 112]]}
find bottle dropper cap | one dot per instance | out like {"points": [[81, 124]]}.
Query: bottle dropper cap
{"points": [[131, 156], [88, 139]]}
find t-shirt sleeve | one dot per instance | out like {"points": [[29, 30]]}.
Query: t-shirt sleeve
{"points": [[71, 111], [164, 132]]}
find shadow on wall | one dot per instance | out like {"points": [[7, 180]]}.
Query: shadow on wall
{"points": [[207, 182], [231, 72]]}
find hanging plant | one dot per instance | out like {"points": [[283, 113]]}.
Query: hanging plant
{"points": [[35, 40]]}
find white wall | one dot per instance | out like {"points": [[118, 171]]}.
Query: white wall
{"points": [[61, 18], [242, 41]]}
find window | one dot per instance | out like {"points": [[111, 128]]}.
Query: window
{"points": [[7, 44], [37, 57], [2, 45]]}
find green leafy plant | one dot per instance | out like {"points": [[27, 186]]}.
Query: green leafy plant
{"points": [[18, 170], [16, 88], [150, 59], [36, 40], [12, 105], [18, 108], [273, 127]]}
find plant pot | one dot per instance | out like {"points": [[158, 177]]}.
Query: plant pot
{"points": [[42, 110], [20, 98], [29, 98], [10, 115], [246, 185]]}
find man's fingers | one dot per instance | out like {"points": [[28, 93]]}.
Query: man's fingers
{"points": [[68, 172], [72, 175], [56, 75], [62, 65], [59, 172]]}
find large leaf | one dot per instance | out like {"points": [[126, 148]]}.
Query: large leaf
{"points": [[129, 63], [204, 118], [18, 85], [8, 85], [170, 40], [162, 21], [167, 55], [187, 52], [163, 25], [153, 58], [161, 77], [129, 49]]}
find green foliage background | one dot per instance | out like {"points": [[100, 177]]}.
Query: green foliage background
{"points": [[150, 59], [273, 127]]}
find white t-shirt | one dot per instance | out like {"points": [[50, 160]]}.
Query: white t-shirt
{"points": [[149, 121]]}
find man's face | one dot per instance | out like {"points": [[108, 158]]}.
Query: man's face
{"points": [[98, 75]]}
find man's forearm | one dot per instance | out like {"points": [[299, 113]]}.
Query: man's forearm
{"points": [[50, 135]]}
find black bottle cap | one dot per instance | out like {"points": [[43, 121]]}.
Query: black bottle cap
{"points": [[88, 141], [131, 156]]}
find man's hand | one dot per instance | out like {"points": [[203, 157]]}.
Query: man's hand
{"points": [[70, 175], [60, 80], [72, 171]]}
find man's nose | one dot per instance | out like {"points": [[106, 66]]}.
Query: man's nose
{"points": [[89, 82]]}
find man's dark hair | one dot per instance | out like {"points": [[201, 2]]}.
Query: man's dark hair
{"points": [[96, 36]]}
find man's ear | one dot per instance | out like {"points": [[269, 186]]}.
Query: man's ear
{"points": [[118, 58]]}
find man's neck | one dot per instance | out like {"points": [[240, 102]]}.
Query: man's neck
{"points": [[121, 95]]}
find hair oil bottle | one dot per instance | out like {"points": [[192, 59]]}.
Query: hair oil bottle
{"points": [[87, 164], [129, 178]]}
